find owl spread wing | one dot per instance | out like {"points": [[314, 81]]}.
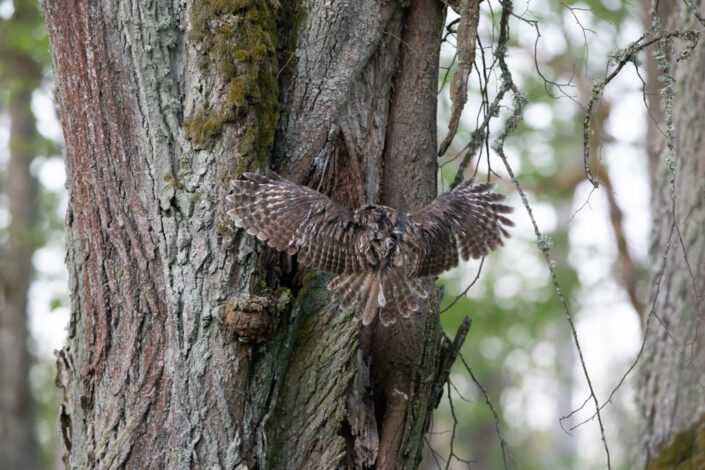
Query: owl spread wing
{"points": [[295, 218], [467, 220]]}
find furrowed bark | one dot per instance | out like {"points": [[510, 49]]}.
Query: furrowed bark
{"points": [[336, 107], [190, 344], [150, 377], [406, 354], [670, 386]]}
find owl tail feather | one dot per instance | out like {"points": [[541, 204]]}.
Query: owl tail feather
{"points": [[392, 296], [365, 290], [404, 296]]}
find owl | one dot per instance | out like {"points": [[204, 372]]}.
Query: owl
{"points": [[377, 254]]}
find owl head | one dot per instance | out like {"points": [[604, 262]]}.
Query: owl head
{"points": [[373, 218]]}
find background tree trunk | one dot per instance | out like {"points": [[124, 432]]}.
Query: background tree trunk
{"points": [[17, 443], [21, 75], [190, 344], [671, 390]]}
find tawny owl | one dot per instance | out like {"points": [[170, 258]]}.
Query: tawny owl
{"points": [[377, 253]]}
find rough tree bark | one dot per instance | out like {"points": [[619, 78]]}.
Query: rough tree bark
{"points": [[671, 390], [21, 75], [190, 344]]}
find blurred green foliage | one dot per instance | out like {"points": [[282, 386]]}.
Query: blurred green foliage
{"points": [[519, 331], [47, 399], [520, 345], [24, 70], [23, 36]]}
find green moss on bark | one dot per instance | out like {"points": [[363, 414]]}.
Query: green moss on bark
{"points": [[236, 40], [685, 451], [313, 389], [203, 125]]}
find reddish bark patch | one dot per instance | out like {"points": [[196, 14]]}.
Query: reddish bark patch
{"points": [[119, 301], [252, 326]]}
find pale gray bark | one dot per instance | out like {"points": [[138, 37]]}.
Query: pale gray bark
{"points": [[190, 344], [671, 390]]}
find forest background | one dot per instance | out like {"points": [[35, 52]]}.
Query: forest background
{"points": [[520, 346]]}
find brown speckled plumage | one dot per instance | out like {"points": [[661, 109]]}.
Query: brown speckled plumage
{"points": [[377, 253]]}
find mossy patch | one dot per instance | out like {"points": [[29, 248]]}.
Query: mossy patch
{"points": [[225, 230], [171, 182], [203, 125], [237, 42], [684, 452], [314, 387]]}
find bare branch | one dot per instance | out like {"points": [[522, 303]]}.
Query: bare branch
{"points": [[543, 241], [630, 54], [628, 270], [652, 314], [694, 10], [462, 294], [506, 456], [448, 357], [467, 32]]}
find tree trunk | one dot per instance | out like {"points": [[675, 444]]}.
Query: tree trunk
{"points": [[21, 76], [192, 345], [671, 390]]}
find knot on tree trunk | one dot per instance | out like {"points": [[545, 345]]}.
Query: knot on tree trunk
{"points": [[254, 319]]}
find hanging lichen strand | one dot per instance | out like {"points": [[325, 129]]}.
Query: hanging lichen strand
{"points": [[236, 41]]}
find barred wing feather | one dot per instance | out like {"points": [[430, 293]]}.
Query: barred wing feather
{"points": [[295, 218], [468, 221]]}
